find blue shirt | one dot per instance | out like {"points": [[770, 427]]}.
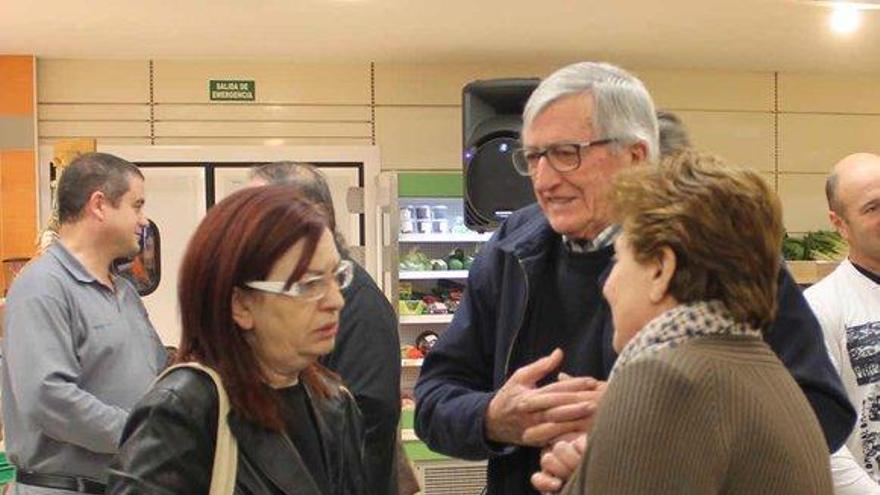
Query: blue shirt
{"points": [[77, 355]]}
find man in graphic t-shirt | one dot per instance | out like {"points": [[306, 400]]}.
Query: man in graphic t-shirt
{"points": [[847, 304]]}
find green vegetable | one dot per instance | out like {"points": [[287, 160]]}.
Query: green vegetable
{"points": [[793, 249], [415, 260], [816, 245], [456, 264]]}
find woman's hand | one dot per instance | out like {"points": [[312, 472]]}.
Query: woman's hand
{"points": [[558, 464]]}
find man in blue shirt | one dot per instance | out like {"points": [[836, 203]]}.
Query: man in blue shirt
{"points": [[79, 350]]}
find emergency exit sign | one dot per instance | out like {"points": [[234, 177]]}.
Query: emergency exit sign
{"points": [[232, 90]]}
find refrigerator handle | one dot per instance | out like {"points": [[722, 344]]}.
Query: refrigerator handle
{"points": [[389, 228]]}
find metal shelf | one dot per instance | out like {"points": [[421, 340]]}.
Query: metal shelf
{"points": [[433, 274], [468, 237], [425, 319]]}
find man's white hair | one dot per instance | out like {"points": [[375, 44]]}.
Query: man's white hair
{"points": [[623, 108]]}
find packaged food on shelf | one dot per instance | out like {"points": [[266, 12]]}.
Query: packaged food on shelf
{"points": [[411, 307], [439, 265], [458, 226], [405, 291], [407, 220], [425, 341], [438, 308], [411, 352], [407, 213], [423, 212]]}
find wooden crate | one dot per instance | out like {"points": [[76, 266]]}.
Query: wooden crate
{"points": [[810, 272]]}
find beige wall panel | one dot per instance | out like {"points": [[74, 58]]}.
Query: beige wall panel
{"points": [[709, 90], [262, 112], [677, 89], [814, 143], [744, 139], [186, 81], [94, 129], [93, 112], [829, 93], [419, 138], [101, 140], [74, 80], [441, 84], [257, 129], [803, 202], [262, 141]]}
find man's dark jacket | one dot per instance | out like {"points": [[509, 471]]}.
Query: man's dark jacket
{"points": [[367, 357], [477, 353]]}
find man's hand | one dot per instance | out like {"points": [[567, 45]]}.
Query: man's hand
{"points": [[565, 407], [506, 420], [523, 414], [558, 464]]}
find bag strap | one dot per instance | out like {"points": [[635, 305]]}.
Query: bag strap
{"points": [[226, 452]]}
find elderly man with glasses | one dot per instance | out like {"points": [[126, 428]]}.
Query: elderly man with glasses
{"points": [[498, 385]]}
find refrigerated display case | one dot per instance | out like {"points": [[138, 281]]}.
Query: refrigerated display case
{"points": [[427, 253], [433, 251]]}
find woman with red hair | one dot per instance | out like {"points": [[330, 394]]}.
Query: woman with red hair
{"points": [[259, 294]]}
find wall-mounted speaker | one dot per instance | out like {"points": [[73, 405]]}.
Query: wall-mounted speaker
{"points": [[491, 125]]}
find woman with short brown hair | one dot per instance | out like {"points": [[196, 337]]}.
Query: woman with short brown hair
{"points": [[697, 402]]}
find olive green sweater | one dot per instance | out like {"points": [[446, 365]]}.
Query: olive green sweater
{"points": [[713, 415]]}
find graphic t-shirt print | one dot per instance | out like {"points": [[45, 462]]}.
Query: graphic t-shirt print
{"points": [[863, 346]]}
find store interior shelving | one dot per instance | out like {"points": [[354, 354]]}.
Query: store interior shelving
{"points": [[433, 275]]}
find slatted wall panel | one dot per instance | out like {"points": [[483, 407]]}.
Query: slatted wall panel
{"points": [[104, 99], [167, 103], [822, 118], [789, 127]]}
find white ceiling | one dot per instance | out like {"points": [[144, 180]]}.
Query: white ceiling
{"points": [[788, 35]]}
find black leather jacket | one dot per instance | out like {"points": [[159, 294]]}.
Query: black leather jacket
{"points": [[167, 446]]}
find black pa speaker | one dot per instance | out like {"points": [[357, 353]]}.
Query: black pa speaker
{"points": [[491, 124]]}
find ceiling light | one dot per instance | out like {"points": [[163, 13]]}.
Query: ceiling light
{"points": [[859, 4], [845, 18]]}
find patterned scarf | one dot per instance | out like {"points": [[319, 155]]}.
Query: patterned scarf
{"points": [[680, 324]]}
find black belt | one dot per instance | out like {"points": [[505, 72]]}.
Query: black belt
{"points": [[61, 482]]}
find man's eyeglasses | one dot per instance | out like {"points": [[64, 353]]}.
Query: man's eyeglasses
{"points": [[310, 288], [563, 157]]}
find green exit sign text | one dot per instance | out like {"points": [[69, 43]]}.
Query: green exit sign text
{"points": [[223, 90]]}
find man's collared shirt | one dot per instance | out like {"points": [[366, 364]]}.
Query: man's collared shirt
{"points": [[77, 357], [603, 240]]}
